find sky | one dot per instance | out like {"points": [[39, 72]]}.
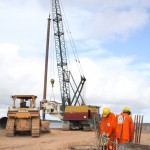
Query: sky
{"points": [[111, 39]]}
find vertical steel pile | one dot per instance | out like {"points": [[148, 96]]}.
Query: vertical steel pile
{"points": [[46, 65], [138, 122], [97, 130]]}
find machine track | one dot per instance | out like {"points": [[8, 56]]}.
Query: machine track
{"points": [[35, 127], [87, 127], [10, 127], [66, 126]]}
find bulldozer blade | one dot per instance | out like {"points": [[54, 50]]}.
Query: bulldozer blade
{"points": [[45, 126]]}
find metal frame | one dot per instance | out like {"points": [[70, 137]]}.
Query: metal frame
{"points": [[61, 54], [64, 74]]}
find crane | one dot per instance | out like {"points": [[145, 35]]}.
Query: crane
{"points": [[73, 111], [64, 74]]}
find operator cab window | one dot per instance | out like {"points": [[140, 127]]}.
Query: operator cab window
{"points": [[23, 104]]}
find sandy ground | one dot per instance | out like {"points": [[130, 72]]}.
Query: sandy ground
{"points": [[56, 140]]}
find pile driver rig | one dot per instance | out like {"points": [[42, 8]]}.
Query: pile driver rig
{"points": [[73, 111]]}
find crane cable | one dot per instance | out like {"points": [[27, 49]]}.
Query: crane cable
{"points": [[52, 63], [73, 47], [72, 43]]}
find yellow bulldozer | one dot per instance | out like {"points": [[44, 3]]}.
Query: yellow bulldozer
{"points": [[24, 117]]}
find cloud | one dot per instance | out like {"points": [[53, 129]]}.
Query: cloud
{"points": [[113, 24], [101, 20], [115, 82], [25, 25], [3, 111], [19, 75], [105, 20], [112, 81]]}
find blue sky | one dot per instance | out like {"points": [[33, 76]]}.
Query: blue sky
{"points": [[136, 44], [112, 40]]}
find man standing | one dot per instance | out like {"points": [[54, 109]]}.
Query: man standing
{"points": [[124, 127], [107, 127]]}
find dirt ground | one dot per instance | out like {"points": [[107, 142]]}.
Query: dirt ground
{"points": [[56, 140]]}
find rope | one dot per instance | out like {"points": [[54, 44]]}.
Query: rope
{"points": [[72, 42], [52, 55], [52, 97]]}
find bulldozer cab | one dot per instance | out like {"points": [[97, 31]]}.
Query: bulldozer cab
{"points": [[25, 101]]}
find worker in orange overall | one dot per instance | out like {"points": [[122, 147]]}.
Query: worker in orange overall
{"points": [[107, 127], [124, 127]]}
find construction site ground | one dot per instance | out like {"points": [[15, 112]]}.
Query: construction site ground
{"points": [[55, 140]]}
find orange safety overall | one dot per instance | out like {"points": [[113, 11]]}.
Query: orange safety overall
{"points": [[107, 127], [124, 128]]}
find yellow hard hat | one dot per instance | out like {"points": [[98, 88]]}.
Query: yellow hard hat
{"points": [[106, 111], [126, 109]]}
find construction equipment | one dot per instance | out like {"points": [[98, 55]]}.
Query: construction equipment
{"points": [[24, 118], [73, 111], [27, 118]]}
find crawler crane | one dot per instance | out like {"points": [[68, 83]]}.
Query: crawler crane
{"points": [[74, 113]]}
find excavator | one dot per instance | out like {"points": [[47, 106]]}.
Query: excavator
{"points": [[73, 111]]}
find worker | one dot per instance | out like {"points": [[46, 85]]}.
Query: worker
{"points": [[107, 127], [22, 103], [124, 126]]}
